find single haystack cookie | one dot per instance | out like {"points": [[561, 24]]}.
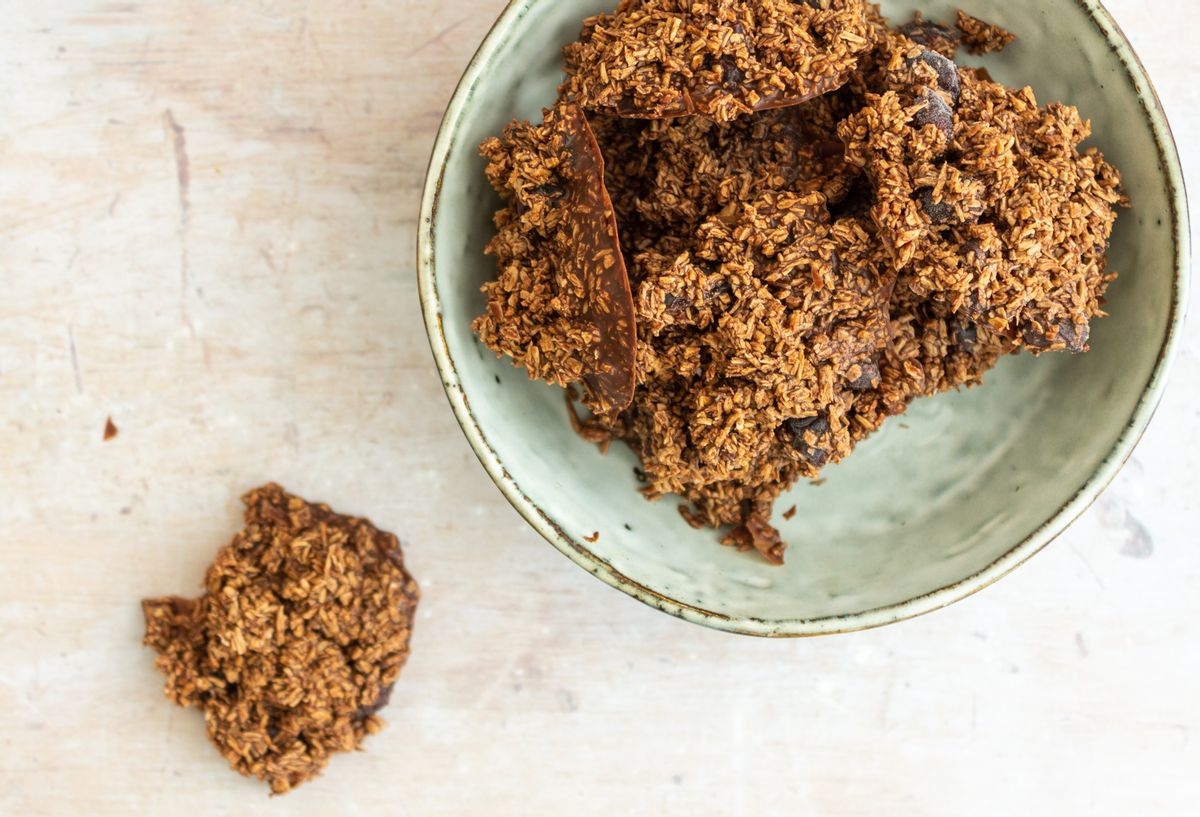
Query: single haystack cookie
{"points": [[655, 59], [985, 200], [929, 352], [755, 343], [668, 176], [301, 632], [561, 305]]}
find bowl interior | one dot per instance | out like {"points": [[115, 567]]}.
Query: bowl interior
{"points": [[937, 496]]}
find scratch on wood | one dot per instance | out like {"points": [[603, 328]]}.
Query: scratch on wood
{"points": [[184, 177], [182, 169], [437, 38], [74, 359], [1088, 565], [283, 131]]}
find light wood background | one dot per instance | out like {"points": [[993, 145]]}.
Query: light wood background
{"points": [[207, 219]]}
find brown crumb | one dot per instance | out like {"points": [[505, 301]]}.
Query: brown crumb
{"points": [[301, 632], [689, 516], [589, 428], [595, 537], [790, 513], [981, 37], [110, 430], [758, 534]]}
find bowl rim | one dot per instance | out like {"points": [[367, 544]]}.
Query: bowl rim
{"points": [[578, 551]]}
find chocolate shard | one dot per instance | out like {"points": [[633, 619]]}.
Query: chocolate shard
{"points": [[868, 377], [557, 245], [1063, 336], [384, 697], [598, 261]]}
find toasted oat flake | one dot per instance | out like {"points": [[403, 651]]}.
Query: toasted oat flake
{"points": [[294, 646]]}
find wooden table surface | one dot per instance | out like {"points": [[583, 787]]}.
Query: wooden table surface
{"points": [[207, 221]]}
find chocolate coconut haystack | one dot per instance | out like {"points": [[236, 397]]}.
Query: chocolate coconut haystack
{"points": [[653, 59], [295, 645], [821, 219], [984, 200]]}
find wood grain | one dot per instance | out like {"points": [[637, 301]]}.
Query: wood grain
{"points": [[207, 215]]}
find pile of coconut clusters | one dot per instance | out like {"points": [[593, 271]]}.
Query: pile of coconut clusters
{"points": [[752, 230]]}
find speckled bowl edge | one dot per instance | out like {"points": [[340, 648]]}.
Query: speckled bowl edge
{"points": [[578, 551]]}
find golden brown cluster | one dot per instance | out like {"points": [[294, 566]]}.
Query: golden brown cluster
{"points": [[301, 632], [802, 264], [984, 199], [654, 59], [983, 38]]}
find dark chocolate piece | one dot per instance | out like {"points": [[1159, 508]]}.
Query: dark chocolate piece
{"points": [[598, 261]]}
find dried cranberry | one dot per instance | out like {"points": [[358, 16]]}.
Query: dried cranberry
{"points": [[936, 112], [868, 378], [947, 72], [963, 334], [939, 212], [797, 432], [676, 304]]}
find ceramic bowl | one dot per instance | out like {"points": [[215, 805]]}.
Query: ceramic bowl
{"points": [[939, 504]]}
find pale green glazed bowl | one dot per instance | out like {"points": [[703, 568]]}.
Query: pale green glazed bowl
{"points": [[938, 505]]}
